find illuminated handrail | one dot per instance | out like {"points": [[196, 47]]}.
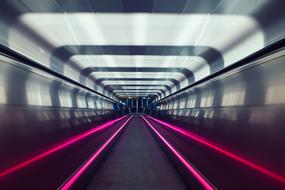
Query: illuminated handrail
{"points": [[227, 153], [204, 182], [58, 147], [75, 176]]}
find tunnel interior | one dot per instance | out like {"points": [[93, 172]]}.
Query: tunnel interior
{"points": [[152, 94]]}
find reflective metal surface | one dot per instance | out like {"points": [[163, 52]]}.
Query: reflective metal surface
{"points": [[242, 110], [37, 110], [100, 42], [211, 67]]}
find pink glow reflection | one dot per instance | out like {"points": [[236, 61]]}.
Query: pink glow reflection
{"points": [[58, 147], [83, 168], [218, 148], [193, 170]]}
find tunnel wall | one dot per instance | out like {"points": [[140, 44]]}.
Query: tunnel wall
{"points": [[242, 110], [38, 110]]}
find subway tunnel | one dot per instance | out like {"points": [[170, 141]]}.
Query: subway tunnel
{"points": [[146, 95]]}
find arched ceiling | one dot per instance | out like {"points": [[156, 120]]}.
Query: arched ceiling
{"points": [[131, 48]]}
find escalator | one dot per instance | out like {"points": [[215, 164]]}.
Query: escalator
{"points": [[136, 162]]}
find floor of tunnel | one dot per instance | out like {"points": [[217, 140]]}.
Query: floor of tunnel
{"points": [[136, 162]]}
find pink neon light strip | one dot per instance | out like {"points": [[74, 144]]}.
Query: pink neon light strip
{"points": [[193, 170], [71, 180], [222, 151], [58, 147]]}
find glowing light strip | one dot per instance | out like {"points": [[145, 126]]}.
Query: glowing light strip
{"points": [[222, 151], [58, 147], [71, 180], [193, 170]]}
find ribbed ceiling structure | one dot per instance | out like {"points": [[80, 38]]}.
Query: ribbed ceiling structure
{"points": [[130, 48]]}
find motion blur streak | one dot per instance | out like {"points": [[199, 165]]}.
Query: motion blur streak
{"points": [[58, 147], [193, 170], [81, 170], [224, 152]]}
